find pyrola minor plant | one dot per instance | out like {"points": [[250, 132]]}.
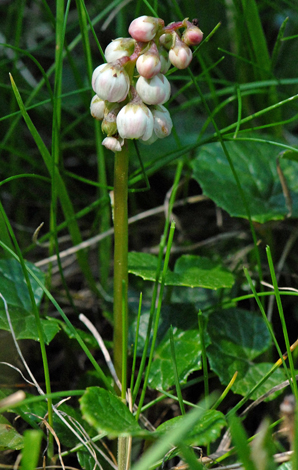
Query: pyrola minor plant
{"points": [[131, 87]]}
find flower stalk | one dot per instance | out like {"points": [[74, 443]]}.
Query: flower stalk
{"points": [[120, 255]]}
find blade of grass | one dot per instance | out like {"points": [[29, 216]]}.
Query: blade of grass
{"points": [[225, 392], [282, 320], [173, 437], [156, 284], [156, 318], [204, 354], [240, 440], [134, 360], [62, 191], [176, 376], [268, 324]]}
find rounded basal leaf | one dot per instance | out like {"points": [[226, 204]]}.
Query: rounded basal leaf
{"points": [[107, 413], [188, 358], [254, 374], [189, 271], [10, 439], [237, 337], [14, 289], [203, 433], [255, 165]]}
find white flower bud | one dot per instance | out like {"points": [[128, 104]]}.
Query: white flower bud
{"points": [[135, 121], [113, 144], [154, 91], [162, 121], [180, 55], [119, 48], [149, 64], [111, 82], [97, 107], [144, 28]]}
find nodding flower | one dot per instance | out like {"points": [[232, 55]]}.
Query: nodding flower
{"points": [[131, 87]]}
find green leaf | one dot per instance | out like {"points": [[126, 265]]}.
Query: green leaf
{"points": [[74, 417], [184, 319], [107, 413], [202, 433], [14, 289], [188, 358], [237, 338], [255, 165], [189, 271], [254, 374], [9, 437], [290, 155]]}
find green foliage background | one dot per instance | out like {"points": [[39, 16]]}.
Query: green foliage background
{"points": [[231, 161]]}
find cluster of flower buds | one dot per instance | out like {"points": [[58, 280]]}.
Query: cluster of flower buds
{"points": [[131, 88]]}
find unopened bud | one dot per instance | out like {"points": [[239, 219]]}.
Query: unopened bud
{"points": [[111, 82], [97, 107], [135, 121], [167, 40], [162, 121], [192, 36], [149, 64], [119, 48], [144, 28], [180, 55], [154, 91], [113, 144]]}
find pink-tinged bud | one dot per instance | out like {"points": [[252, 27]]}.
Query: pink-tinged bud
{"points": [[135, 121], [157, 90], [149, 64], [111, 82], [97, 107], [144, 28], [192, 36], [163, 124], [113, 144], [180, 55], [164, 59], [119, 48]]}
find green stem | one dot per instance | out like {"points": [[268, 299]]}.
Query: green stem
{"points": [[120, 253], [120, 280]]}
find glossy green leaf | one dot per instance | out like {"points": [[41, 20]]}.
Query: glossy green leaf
{"points": [[9, 437], [203, 433], [14, 289], [254, 374], [237, 338], [255, 165], [188, 358], [189, 270], [184, 319], [107, 413]]}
